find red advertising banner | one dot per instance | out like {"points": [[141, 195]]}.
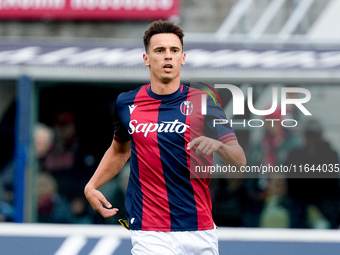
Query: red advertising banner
{"points": [[89, 9]]}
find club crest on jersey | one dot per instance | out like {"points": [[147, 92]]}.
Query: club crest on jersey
{"points": [[186, 107]]}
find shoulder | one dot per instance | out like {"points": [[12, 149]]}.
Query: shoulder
{"points": [[129, 95], [195, 91]]}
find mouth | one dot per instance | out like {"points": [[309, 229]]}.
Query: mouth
{"points": [[167, 67]]}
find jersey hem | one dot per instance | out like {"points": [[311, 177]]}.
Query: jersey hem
{"points": [[161, 229]]}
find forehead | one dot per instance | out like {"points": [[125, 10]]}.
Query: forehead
{"points": [[165, 40]]}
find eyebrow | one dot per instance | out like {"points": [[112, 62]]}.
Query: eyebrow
{"points": [[162, 48]]}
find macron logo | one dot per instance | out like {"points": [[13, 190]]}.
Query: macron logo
{"points": [[132, 107]]}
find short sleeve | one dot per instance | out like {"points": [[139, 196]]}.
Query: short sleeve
{"points": [[120, 133], [216, 123]]}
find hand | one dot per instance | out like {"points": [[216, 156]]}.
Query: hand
{"points": [[204, 145], [99, 203]]}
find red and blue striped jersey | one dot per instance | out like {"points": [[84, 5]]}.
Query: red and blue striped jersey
{"points": [[163, 194]]}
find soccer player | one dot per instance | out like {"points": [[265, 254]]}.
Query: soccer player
{"points": [[159, 128]]}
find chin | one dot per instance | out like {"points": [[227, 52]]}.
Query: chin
{"points": [[166, 79]]}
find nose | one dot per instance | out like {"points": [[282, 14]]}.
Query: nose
{"points": [[168, 55]]}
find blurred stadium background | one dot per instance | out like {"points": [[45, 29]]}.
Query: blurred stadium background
{"points": [[62, 65]]}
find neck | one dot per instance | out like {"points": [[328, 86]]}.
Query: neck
{"points": [[160, 88]]}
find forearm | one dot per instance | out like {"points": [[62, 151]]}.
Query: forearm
{"points": [[232, 153], [112, 162]]}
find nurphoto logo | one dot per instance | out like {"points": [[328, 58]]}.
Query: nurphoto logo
{"points": [[243, 102]]}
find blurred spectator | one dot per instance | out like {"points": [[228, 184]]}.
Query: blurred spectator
{"points": [[276, 209], [62, 156], [43, 138], [315, 219], [6, 164], [80, 211], [69, 162], [273, 150], [276, 143], [7, 203], [52, 208], [229, 199], [62, 161], [315, 188], [7, 184]]}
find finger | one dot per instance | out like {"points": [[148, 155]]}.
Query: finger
{"points": [[209, 151], [106, 204], [98, 200], [103, 201], [206, 149], [107, 213], [194, 142], [107, 207], [210, 148], [200, 148], [190, 145], [107, 210]]}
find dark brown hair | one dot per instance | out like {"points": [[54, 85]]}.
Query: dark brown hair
{"points": [[162, 27]]}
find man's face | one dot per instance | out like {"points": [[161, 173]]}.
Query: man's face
{"points": [[164, 57]]}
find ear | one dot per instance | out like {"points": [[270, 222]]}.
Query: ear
{"points": [[184, 55], [146, 59]]}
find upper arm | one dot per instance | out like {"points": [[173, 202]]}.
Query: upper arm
{"points": [[124, 149]]}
